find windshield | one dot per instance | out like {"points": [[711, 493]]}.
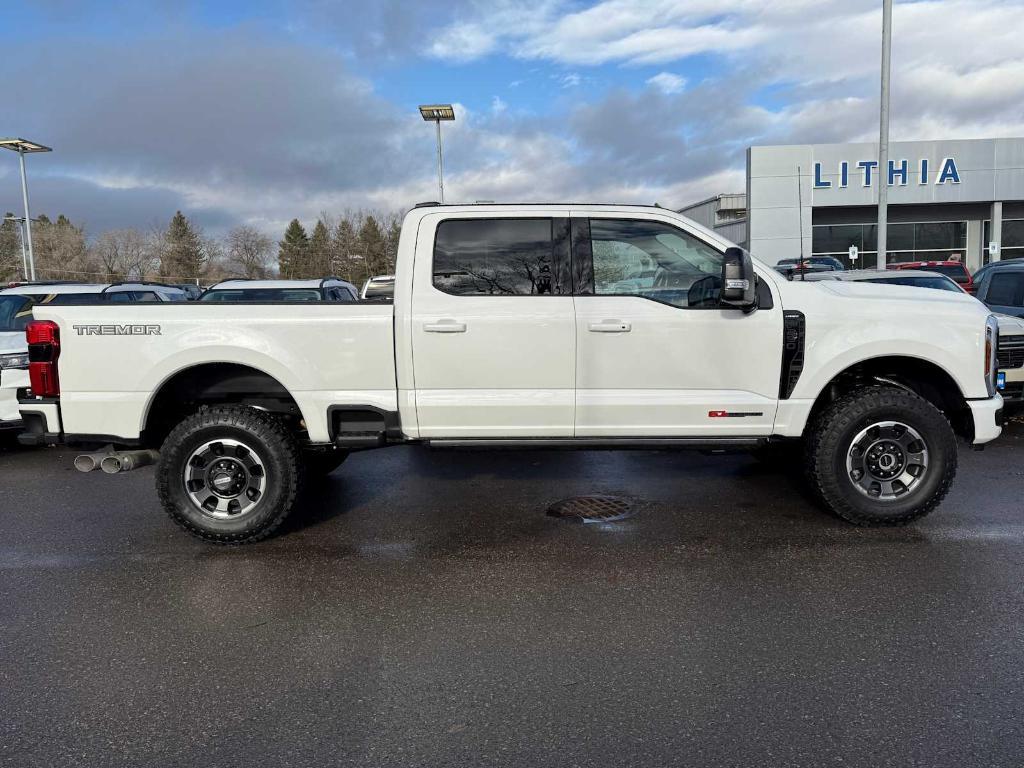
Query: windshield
{"points": [[956, 271], [263, 294], [939, 283], [378, 290], [15, 312]]}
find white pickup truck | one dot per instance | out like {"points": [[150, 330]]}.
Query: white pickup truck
{"points": [[528, 326]]}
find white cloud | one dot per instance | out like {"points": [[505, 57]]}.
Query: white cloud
{"points": [[666, 82], [498, 105]]}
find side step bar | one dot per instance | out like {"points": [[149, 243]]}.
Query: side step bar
{"points": [[602, 443]]}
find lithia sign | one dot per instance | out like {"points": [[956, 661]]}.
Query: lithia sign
{"points": [[899, 172]]}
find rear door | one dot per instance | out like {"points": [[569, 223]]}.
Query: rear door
{"points": [[657, 356], [493, 326]]}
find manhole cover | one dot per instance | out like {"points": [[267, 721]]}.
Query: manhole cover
{"points": [[592, 509]]}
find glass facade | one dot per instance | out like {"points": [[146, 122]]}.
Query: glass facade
{"points": [[1012, 245], [918, 241]]}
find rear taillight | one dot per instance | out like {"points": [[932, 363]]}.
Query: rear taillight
{"points": [[991, 345], [43, 350]]}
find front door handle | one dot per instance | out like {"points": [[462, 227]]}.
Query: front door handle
{"points": [[611, 326], [447, 325]]}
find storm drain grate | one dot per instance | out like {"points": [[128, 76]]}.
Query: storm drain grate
{"points": [[592, 509]]}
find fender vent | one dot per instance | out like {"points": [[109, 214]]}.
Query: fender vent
{"points": [[793, 337]]}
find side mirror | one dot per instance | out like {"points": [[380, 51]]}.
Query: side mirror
{"points": [[739, 282]]}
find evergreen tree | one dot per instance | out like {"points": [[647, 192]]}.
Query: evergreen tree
{"points": [[391, 240], [373, 246], [183, 255], [293, 251], [346, 244], [320, 251]]}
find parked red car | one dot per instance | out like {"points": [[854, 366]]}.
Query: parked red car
{"points": [[956, 270]]}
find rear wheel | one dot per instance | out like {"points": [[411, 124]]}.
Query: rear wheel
{"points": [[229, 474], [881, 456]]}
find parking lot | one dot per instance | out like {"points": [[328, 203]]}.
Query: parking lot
{"points": [[424, 610]]}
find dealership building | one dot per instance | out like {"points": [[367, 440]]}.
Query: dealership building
{"points": [[958, 199]]}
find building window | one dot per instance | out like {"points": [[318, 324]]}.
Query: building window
{"points": [[1012, 245], [906, 241]]}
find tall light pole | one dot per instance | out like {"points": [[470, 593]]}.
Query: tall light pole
{"points": [[437, 113], [883, 136], [23, 147], [20, 221]]}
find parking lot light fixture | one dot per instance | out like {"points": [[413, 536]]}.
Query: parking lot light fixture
{"points": [[436, 113], [24, 147]]}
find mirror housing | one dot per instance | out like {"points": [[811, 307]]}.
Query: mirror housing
{"points": [[739, 281]]}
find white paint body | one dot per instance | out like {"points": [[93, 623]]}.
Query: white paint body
{"points": [[524, 366]]}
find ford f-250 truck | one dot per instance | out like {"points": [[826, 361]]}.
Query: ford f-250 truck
{"points": [[528, 326]]}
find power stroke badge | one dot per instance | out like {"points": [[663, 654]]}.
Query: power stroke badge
{"points": [[117, 330]]}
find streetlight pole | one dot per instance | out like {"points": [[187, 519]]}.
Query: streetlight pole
{"points": [[436, 113], [21, 239], [883, 137], [28, 217], [23, 146], [440, 162]]}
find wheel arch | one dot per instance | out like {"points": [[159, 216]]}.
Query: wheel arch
{"points": [[924, 378], [214, 383]]}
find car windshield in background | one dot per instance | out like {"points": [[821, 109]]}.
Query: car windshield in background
{"points": [[939, 283], [955, 271], [15, 312], [263, 294], [380, 290]]}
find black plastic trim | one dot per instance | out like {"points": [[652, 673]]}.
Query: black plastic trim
{"points": [[392, 432], [599, 443], [794, 339]]}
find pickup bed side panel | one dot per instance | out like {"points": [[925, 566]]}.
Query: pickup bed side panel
{"points": [[114, 359]]}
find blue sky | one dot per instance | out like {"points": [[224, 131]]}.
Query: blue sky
{"points": [[260, 111]]}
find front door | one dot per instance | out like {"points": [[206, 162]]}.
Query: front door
{"points": [[656, 355], [493, 327]]}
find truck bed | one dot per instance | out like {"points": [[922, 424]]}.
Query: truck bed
{"points": [[115, 358]]}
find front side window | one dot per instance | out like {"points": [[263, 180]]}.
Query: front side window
{"points": [[656, 261], [499, 257]]}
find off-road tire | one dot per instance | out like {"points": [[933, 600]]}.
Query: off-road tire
{"points": [[322, 463], [833, 432], [263, 433]]}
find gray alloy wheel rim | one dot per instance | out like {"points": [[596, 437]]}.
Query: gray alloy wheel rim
{"points": [[225, 479], [887, 460]]}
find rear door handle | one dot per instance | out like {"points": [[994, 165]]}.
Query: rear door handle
{"points": [[445, 326], [610, 326]]}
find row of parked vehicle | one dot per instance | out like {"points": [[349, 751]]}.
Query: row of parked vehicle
{"points": [[999, 285], [17, 301]]}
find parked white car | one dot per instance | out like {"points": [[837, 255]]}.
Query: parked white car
{"points": [[16, 310], [509, 329], [322, 289], [379, 287]]}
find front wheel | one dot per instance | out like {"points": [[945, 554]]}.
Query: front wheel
{"points": [[881, 456], [229, 474]]}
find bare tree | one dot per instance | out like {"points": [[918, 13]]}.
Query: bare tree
{"points": [[125, 254], [249, 251]]}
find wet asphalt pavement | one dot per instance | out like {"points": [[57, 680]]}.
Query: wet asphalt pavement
{"points": [[423, 610]]}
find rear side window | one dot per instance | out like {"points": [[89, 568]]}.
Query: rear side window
{"points": [[956, 271], [502, 257], [1006, 289]]}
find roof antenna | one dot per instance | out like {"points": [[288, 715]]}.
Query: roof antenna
{"points": [[800, 217]]}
